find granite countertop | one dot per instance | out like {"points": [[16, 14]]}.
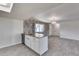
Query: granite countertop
{"points": [[33, 35]]}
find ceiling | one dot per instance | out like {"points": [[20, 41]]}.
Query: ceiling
{"points": [[25, 10], [64, 11]]}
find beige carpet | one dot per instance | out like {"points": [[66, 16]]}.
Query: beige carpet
{"points": [[57, 47]]}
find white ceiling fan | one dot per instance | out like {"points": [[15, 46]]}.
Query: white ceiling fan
{"points": [[6, 7]]}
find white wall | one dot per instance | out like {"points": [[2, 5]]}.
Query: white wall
{"points": [[10, 32], [70, 29]]}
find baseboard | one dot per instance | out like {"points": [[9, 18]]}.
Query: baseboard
{"points": [[10, 45], [68, 38]]}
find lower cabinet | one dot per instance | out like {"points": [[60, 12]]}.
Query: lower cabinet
{"points": [[39, 45], [35, 45], [43, 45], [27, 41]]}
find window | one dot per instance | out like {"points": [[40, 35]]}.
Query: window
{"points": [[39, 27]]}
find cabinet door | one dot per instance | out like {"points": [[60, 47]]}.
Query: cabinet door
{"points": [[35, 45], [43, 45], [27, 41]]}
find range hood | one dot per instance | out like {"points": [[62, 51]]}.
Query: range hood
{"points": [[6, 7]]}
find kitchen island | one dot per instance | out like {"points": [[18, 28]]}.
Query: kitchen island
{"points": [[37, 44]]}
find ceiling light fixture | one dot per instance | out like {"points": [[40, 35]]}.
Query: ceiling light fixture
{"points": [[53, 18], [53, 22]]}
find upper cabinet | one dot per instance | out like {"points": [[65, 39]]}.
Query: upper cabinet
{"points": [[6, 7]]}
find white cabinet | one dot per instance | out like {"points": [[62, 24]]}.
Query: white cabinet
{"points": [[35, 45], [39, 45], [27, 41], [43, 45]]}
